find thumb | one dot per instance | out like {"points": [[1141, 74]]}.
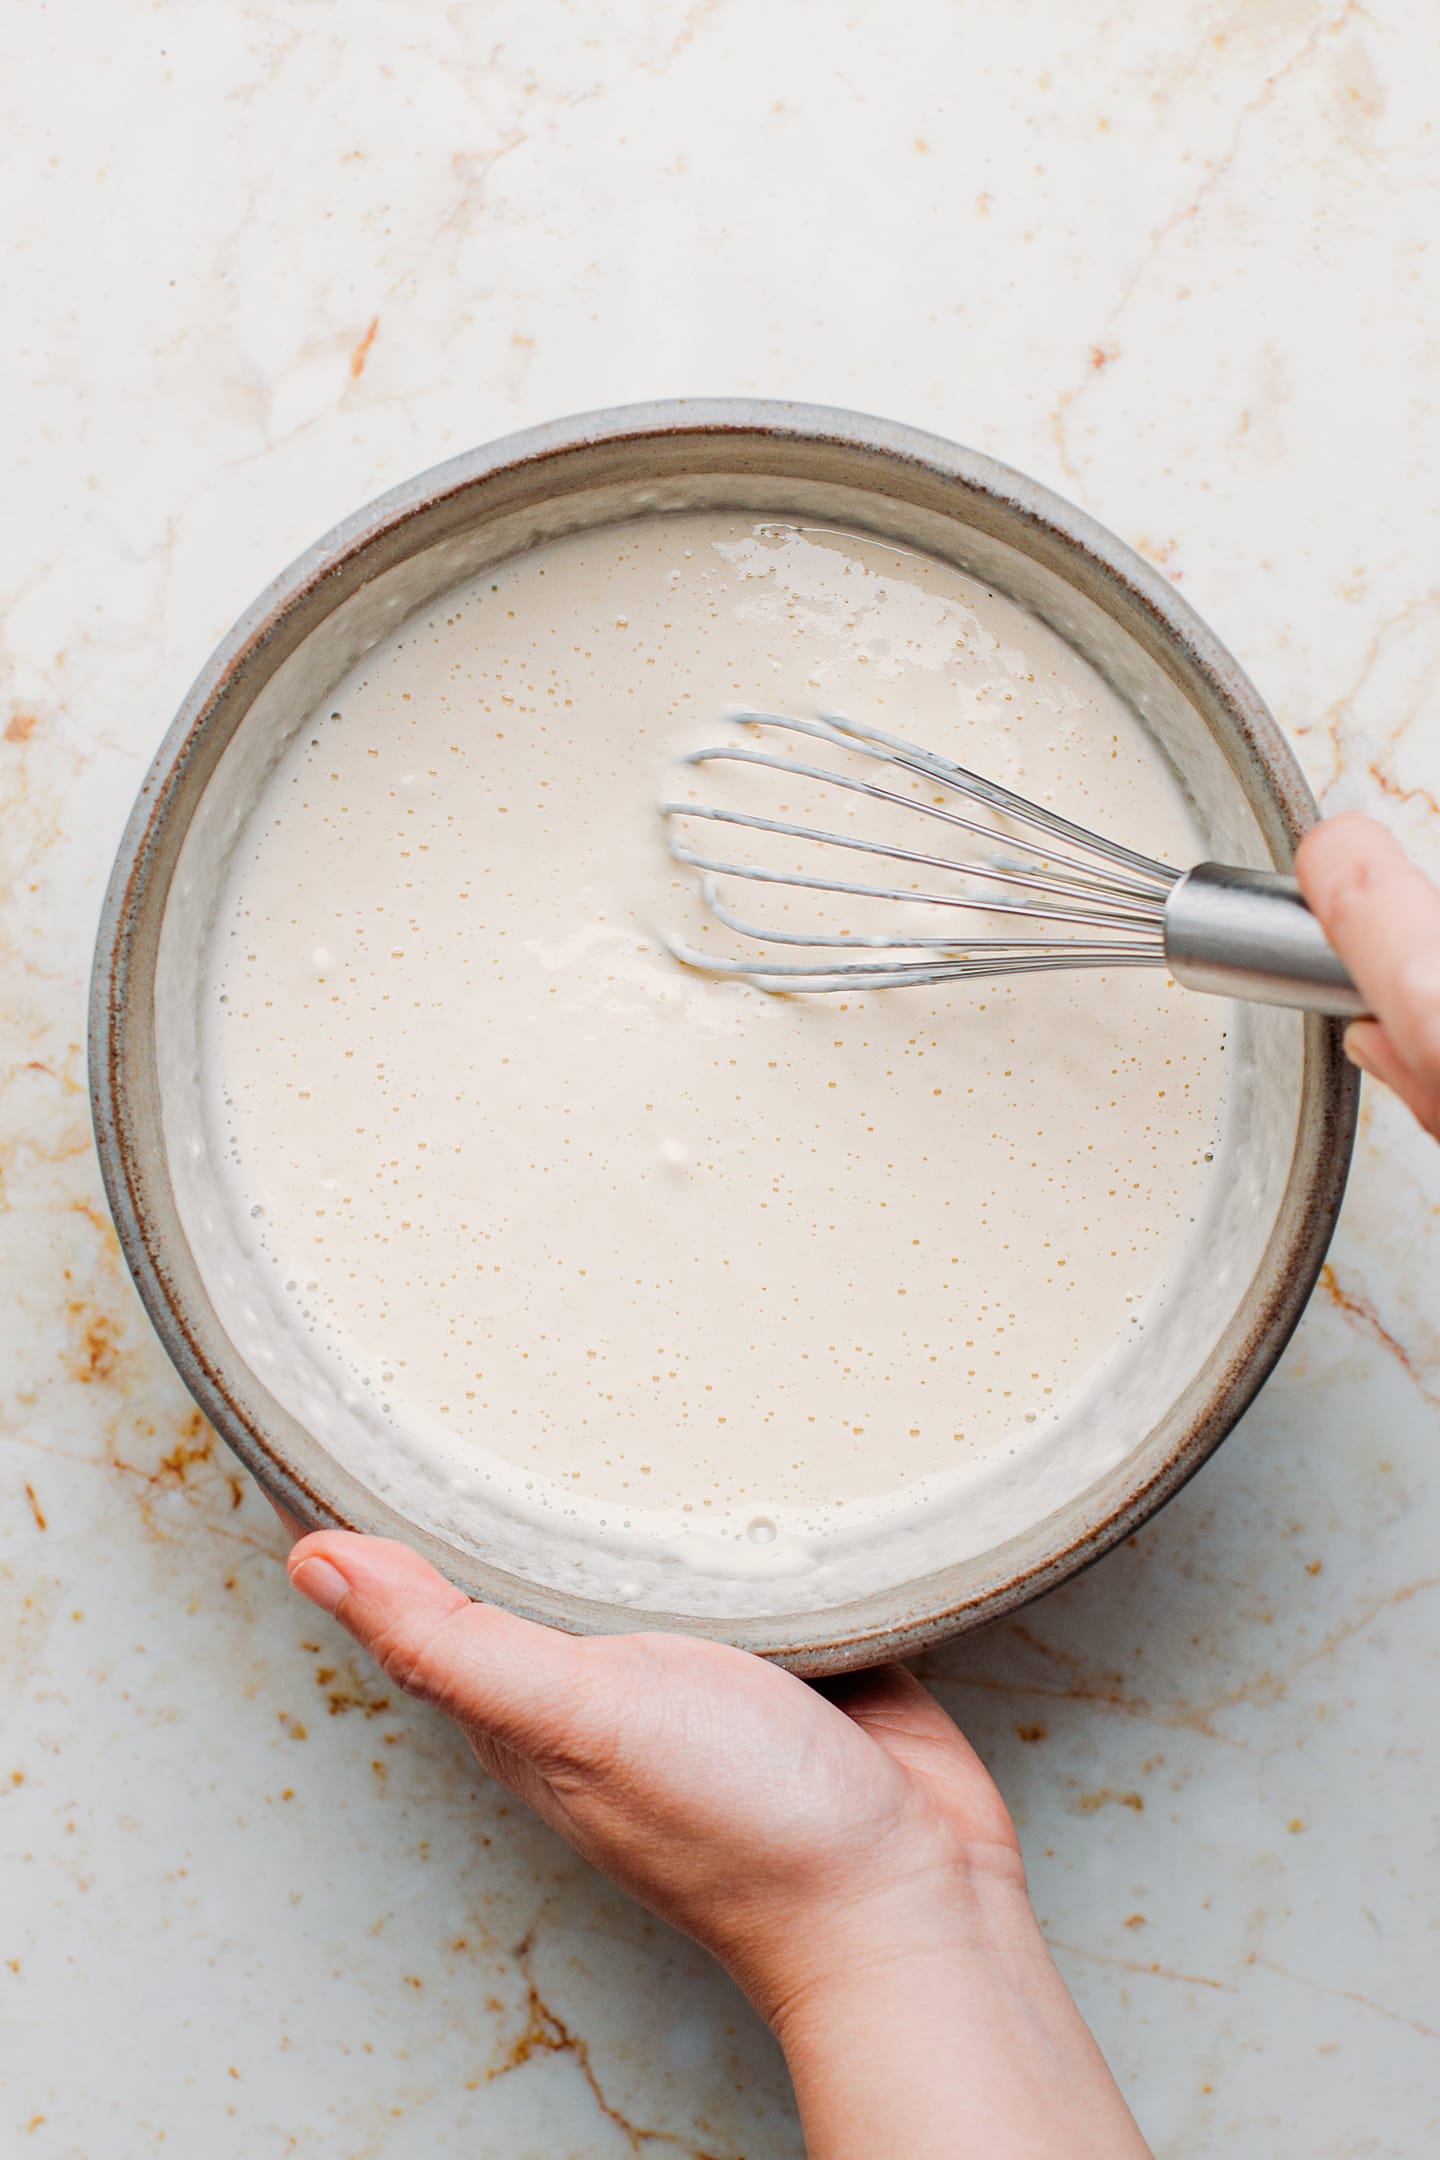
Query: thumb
{"points": [[506, 1677], [1368, 1045], [1382, 915]]}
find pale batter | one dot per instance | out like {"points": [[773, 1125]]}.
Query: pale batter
{"points": [[608, 1237]]}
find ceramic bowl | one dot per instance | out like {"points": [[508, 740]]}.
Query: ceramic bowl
{"points": [[1292, 1103]]}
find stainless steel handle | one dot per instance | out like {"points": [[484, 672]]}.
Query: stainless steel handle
{"points": [[1249, 934]]}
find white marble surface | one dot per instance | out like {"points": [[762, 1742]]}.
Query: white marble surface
{"points": [[261, 261]]}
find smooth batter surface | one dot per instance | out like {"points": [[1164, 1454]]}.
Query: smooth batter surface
{"points": [[627, 1241]]}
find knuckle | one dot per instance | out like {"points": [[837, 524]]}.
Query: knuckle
{"points": [[590, 1740], [574, 1761], [1345, 890], [417, 1664], [579, 1750], [1329, 852]]}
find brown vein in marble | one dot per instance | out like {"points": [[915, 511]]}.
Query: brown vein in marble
{"points": [[101, 1375], [1253, 1963], [691, 25], [172, 1475], [1140, 1712], [471, 170], [361, 353], [146, 1432], [1362, 1315], [272, 64], [1331, 721], [546, 2033], [1349, 1995], [39, 773], [1106, 345], [1388, 785], [1265, 1688], [1141, 1968], [1106, 1691]]}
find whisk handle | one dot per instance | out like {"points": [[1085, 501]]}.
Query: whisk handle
{"points": [[1249, 934]]}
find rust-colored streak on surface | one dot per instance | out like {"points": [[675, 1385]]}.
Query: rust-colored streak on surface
{"points": [[1137, 1965], [183, 1464], [691, 24], [99, 1223], [1073, 1684], [98, 1351], [1217, 173], [547, 2034], [361, 353], [1362, 1313], [1350, 1995], [196, 1446], [1334, 722], [1389, 785], [35, 1508], [1265, 1687], [21, 726]]}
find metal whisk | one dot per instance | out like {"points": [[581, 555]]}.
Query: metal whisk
{"points": [[1239, 933]]}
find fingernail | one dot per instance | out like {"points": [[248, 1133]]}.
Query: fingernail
{"points": [[1355, 1052], [317, 1580]]}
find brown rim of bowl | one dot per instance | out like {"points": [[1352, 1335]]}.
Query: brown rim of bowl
{"points": [[121, 1020]]}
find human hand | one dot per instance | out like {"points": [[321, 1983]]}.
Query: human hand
{"points": [[1382, 915], [840, 1848], [721, 1791]]}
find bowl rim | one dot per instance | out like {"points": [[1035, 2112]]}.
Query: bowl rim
{"points": [[121, 1023]]}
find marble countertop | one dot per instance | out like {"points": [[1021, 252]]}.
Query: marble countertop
{"points": [[262, 261]]}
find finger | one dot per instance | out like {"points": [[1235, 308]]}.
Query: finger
{"points": [[1383, 918], [888, 1696], [1368, 1046], [497, 1674], [289, 1522], [901, 1715], [899, 1711]]}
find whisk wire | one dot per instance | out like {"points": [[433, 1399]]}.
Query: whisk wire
{"points": [[740, 754], [1111, 906], [881, 975], [921, 860], [894, 749], [732, 921]]}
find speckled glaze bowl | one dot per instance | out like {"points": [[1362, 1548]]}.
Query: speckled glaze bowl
{"points": [[1294, 1096]]}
